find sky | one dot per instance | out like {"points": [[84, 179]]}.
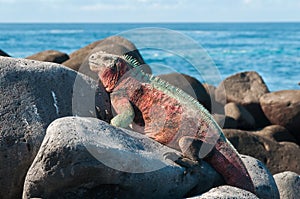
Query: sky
{"points": [[149, 11]]}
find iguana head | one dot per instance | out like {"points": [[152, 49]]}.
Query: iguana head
{"points": [[110, 68]]}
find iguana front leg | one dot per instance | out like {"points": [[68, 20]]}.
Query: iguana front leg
{"points": [[124, 110], [190, 148]]}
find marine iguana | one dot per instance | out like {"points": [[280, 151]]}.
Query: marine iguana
{"points": [[168, 115]]}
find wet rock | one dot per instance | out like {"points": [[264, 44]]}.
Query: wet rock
{"points": [[278, 157], [50, 56], [226, 192], [283, 108], [116, 45], [264, 183], [88, 158], [288, 184], [276, 133], [245, 89], [243, 118], [191, 86], [33, 94], [3, 54]]}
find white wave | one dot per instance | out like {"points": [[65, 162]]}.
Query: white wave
{"points": [[58, 31]]}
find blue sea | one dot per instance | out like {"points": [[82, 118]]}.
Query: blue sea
{"points": [[271, 49]]}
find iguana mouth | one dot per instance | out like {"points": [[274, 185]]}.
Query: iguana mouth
{"points": [[95, 67]]}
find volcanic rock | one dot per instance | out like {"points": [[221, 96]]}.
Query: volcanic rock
{"points": [[3, 54], [245, 89], [115, 45], [276, 133], [50, 56], [288, 184], [88, 158], [33, 94], [278, 157], [226, 192], [191, 86], [244, 119], [283, 108]]}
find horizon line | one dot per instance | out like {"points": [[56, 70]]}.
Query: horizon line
{"points": [[147, 22]]}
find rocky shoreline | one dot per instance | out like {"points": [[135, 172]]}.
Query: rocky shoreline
{"points": [[43, 147]]}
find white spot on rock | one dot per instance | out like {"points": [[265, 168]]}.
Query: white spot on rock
{"points": [[35, 110], [55, 102]]}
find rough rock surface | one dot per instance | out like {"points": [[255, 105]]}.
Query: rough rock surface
{"points": [[276, 133], [243, 118], [191, 86], [4, 54], [245, 89], [263, 180], [50, 56], [88, 158], [283, 108], [115, 45], [278, 157], [288, 184], [226, 192], [33, 94]]}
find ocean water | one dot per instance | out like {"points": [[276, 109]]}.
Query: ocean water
{"points": [[271, 49]]}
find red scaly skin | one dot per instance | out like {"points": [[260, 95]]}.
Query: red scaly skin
{"points": [[166, 119]]}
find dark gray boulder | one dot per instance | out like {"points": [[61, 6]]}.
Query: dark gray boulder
{"points": [[88, 158], [32, 95], [264, 183], [4, 54]]}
